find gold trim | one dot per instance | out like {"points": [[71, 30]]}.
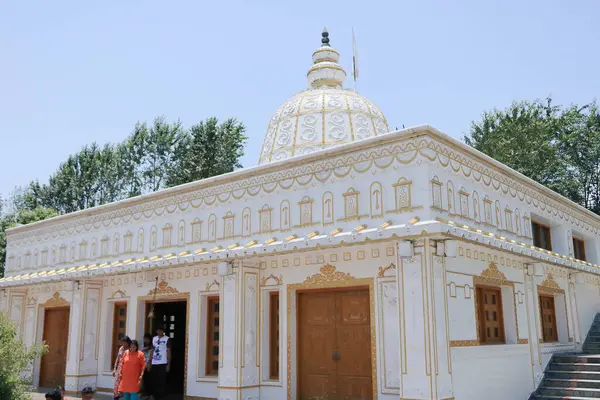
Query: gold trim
{"points": [[278, 281], [383, 270], [464, 343], [492, 275], [55, 301], [329, 281], [328, 274], [523, 341], [163, 289], [550, 286]]}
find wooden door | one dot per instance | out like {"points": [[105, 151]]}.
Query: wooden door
{"points": [[491, 321], [334, 345], [548, 314], [56, 336]]}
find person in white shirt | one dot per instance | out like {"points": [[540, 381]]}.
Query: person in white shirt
{"points": [[161, 362]]}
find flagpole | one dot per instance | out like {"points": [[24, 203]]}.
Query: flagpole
{"points": [[354, 59]]}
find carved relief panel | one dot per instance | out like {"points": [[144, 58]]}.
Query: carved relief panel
{"points": [[83, 250], [376, 204], [306, 205], [464, 203], [167, 232], [44, 259], [212, 227], [140, 240], [72, 252], [285, 215], [508, 219], [403, 193], [498, 215], [246, 222], [228, 225], [197, 230], [351, 204], [487, 209], [104, 246], [116, 242], [518, 222], [153, 238], [450, 190], [436, 193], [476, 213], [328, 218], [62, 254], [128, 243], [181, 233], [264, 219]]}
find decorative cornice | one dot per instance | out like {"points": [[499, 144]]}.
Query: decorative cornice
{"points": [[550, 286], [329, 274], [447, 151], [492, 275], [277, 281], [163, 289], [55, 301]]}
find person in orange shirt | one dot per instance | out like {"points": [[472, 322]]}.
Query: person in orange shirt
{"points": [[132, 370]]}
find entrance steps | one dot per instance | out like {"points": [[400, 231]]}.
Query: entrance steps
{"points": [[574, 376]]}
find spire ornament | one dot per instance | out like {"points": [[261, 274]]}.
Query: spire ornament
{"points": [[325, 37]]}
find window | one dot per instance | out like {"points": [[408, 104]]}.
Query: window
{"points": [[212, 337], [274, 335], [541, 235], [579, 249], [489, 308], [548, 315], [119, 329]]}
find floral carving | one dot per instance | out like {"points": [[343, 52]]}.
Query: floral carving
{"points": [[383, 270], [329, 274], [493, 275], [56, 301], [277, 281], [550, 286], [163, 289]]}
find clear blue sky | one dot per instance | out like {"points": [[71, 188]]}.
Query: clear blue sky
{"points": [[74, 72]]}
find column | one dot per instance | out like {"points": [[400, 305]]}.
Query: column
{"points": [[238, 369], [425, 365], [74, 345], [533, 316]]}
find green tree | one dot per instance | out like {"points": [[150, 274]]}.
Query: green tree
{"points": [[14, 358], [209, 149], [579, 146], [158, 145], [555, 146]]}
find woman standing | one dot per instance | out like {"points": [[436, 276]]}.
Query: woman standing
{"points": [[147, 349], [125, 342], [132, 371]]}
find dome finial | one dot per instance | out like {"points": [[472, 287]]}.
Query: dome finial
{"points": [[325, 37]]}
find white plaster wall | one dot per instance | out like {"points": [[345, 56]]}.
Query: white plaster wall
{"points": [[492, 372]]}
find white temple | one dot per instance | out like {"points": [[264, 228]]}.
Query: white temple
{"points": [[351, 263]]}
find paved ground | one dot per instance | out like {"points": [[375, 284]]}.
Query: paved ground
{"points": [[99, 396]]}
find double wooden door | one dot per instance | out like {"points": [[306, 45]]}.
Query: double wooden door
{"points": [[56, 336], [334, 345]]}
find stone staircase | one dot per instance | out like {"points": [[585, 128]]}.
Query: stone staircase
{"points": [[574, 376]]}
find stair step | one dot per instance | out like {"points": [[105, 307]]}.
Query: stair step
{"points": [[568, 391], [576, 375], [572, 383], [577, 358], [540, 397], [575, 366]]}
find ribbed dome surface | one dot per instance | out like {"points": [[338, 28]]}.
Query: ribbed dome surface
{"points": [[324, 115]]}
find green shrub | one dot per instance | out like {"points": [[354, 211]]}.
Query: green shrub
{"points": [[14, 359]]}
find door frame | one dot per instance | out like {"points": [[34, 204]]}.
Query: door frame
{"points": [[174, 297], [55, 303], [328, 279]]}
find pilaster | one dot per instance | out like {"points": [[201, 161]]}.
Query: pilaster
{"points": [[533, 318], [74, 345], [239, 361], [426, 364]]}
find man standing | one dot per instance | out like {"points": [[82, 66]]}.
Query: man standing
{"points": [[161, 362]]}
